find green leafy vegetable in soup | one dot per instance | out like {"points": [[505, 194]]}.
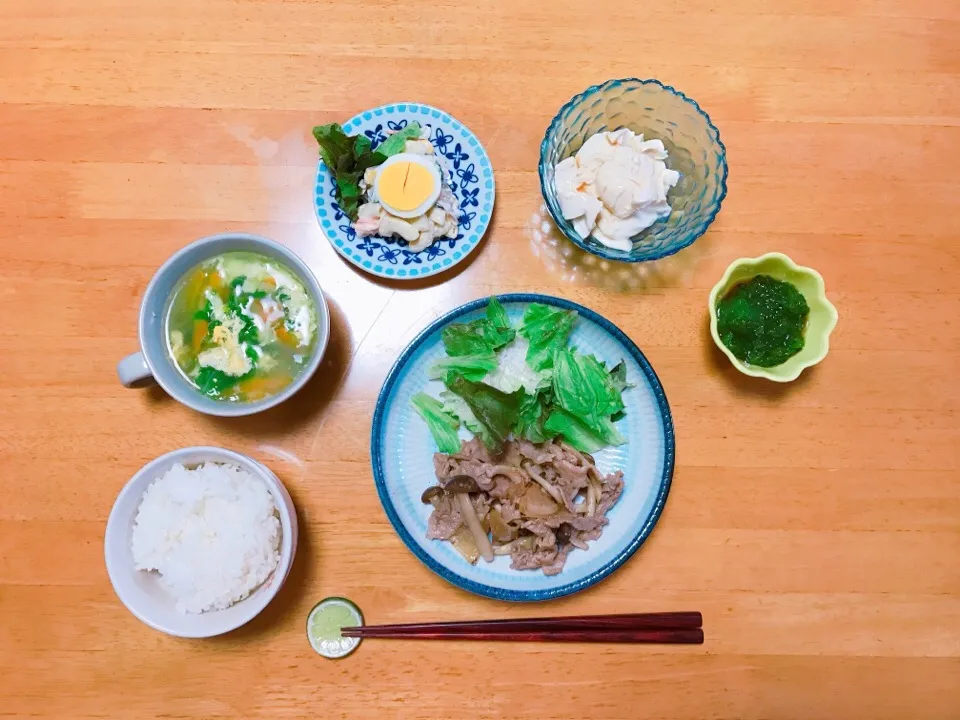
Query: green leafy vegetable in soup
{"points": [[241, 327]]}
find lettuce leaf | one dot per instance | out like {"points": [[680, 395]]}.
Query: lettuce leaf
{"points": [[534, 411], [443, 426], [579, 435], [472, 367], [497, 411], [527, 383], [334, 144], [618, 376], [347, 157], [513, 373], [497, 315], [485, 334], [609, 398], [457, 406], [584, 388], [547, 329], [397, 142]]}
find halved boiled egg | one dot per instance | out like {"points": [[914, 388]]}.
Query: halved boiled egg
{"points": [[408, 185]]}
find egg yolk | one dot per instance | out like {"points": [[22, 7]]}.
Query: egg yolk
{"points": [[405, 186]]}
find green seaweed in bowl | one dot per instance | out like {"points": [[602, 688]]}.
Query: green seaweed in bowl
{"points": [[762, 321], [820, 320]]}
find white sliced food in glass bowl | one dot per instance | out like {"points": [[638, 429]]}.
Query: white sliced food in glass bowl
{"points": [[615, 186]]}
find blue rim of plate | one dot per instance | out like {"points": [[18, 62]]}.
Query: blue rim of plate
{"points": [[596, 248], [473, 184], [376, 454]]}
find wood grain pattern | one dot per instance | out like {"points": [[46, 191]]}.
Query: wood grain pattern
{"points": [[816, 526]]}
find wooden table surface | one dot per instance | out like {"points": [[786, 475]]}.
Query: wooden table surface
{"points": [[816, 525]]}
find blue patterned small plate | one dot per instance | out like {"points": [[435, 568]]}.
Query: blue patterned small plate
{"points": [[402, 449], [469, 173]]}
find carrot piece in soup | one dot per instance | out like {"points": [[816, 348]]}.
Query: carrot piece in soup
{"points": [[258, 387], [194, 288], [256, 307], [200, 329], [215, 282], [278, 381], [285, 336], [252, 388]]}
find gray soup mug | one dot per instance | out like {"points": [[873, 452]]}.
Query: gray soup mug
{"points": [[154, 365]]}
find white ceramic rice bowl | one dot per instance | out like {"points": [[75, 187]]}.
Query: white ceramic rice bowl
{"points": [[142, 593]]}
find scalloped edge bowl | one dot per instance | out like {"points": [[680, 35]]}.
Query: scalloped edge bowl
{"points": [[821, 322]]}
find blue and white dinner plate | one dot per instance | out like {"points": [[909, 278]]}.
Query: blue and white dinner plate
{"points": [[402, 453], [469, 173]]}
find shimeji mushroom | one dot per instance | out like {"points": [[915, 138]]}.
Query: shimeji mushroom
{"points": [[461, 486], [563, 533], [462, 537], [431, 495]]}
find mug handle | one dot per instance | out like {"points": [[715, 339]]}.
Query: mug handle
{"points": [[134, 372]]}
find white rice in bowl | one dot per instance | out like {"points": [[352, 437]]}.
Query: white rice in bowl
{"points": [[211, 532]]}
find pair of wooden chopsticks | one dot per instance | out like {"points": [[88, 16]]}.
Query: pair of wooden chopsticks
{"points": [[682, 628]]}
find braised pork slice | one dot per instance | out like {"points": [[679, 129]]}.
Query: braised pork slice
{"points": [[539, 501]]}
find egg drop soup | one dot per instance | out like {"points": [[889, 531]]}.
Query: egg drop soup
{"points": [[241, 327]]}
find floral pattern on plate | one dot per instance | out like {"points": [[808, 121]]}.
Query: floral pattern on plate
{"points": [[469, 174]]}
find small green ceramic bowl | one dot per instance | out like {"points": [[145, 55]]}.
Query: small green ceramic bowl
{"points": [[822, 319]]}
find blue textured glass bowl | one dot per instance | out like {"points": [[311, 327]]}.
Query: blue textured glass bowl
{"points": [[659, 112]]}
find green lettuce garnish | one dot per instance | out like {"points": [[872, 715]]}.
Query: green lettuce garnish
{"points": [[349, 156], [472, 367], [577, 434], [513, 373], [397, 142], [531, 421], [497, 314], [496, 410], [584, 388], [443, 426], [618, 376], [457, 406], [484, 335], [547, 329], [535, 388]]}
